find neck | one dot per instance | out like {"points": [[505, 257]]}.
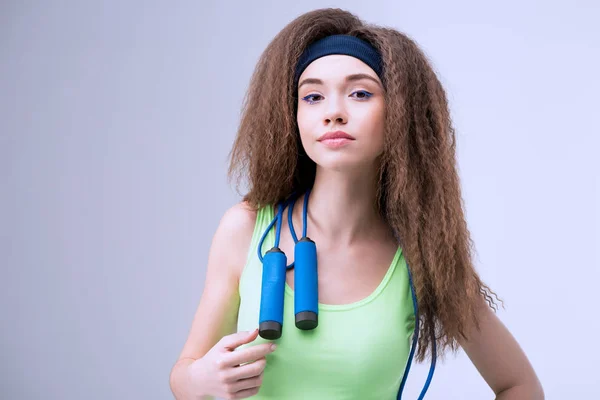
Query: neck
{"points": [[342, 207]]}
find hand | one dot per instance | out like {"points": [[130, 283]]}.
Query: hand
{"points": [[229, 374]]}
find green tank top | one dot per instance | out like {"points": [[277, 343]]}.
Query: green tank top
{"points": [[358, 350]]}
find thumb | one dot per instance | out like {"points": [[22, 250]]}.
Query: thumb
{"points": [[230, 342]]}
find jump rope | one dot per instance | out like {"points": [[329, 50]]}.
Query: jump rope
{"points": [[306, 308]]}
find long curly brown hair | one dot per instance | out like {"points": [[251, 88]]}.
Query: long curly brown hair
{"points": [[419, 193]]}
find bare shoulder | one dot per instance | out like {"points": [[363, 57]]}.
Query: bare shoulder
{"points": [[216, 315], [240, 216], [235, 233]]}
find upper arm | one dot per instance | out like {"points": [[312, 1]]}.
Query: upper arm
{"points": [[217, 312], [497, 355]]}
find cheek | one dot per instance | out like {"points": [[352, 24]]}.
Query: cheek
{"points": [[304, 117], [305, 126], [373, 122]]}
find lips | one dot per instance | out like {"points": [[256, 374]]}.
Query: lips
{"points": [[336, 135]]}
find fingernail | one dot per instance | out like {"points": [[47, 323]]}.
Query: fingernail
{"points": [[273, 347]]}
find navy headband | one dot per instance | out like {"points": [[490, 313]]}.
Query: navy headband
{"points": [[340, 44]]}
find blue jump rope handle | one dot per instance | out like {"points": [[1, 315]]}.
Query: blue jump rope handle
{"points": [[306, 300], [271, 298]]}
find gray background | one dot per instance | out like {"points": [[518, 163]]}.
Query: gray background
{"points": [[116, 121]]}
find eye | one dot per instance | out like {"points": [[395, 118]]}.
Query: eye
{"points": [[308, 97], [366, 94]]}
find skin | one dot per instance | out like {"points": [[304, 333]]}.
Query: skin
{"points": [[354, 242]]}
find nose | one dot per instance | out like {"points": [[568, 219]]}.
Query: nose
{"points": [[335, 111]]}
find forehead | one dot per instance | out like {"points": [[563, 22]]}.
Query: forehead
{"points": [[335, 67]]}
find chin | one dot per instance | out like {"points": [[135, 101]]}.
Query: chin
{"points": [[341, 161]]}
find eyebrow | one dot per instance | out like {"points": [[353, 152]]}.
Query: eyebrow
{"points": [[349, 78]]}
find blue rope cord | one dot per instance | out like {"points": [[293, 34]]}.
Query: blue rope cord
{"points": [[305, 213], [278, 228], [304, 217], [276, 219], [290, 222], [414, 345]]}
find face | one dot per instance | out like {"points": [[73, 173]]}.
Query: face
{"points": [[333, 97]]}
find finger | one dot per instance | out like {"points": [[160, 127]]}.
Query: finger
{"points": [[248, 354], [246, 371], [245, 384], [244, 394], [231, 342]]}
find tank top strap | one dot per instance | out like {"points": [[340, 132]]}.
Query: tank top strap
{"points": [[264, 216]]}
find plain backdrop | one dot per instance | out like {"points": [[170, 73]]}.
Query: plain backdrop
{"points": [[116, 122]]}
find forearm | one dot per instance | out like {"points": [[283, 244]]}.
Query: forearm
{"points": [[531, 391], [180, 384]]}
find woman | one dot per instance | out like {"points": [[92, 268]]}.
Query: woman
{"points": [[349, 122]]}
